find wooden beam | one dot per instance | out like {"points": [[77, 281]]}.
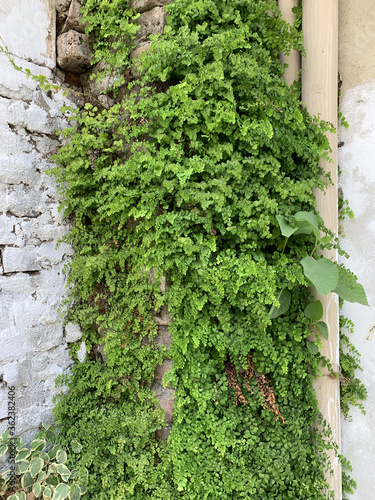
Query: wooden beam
{"points": [[294, 59], [319, 93]]}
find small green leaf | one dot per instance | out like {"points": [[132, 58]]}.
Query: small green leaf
{"points": [[37, 489], [26, 480], [52, 452], [48, 492], [326, 239], [37, 444], [46, 426], [286, 229], [323, 329], [349, 289], [76, 446], [36, 466], [61, 492], [284, 300], [312, 347], [75, 492], [63, 469], [322, 273], [314, 311], [22, 467], [3, 449], [5, 436], [22, 455], [61, 457]]}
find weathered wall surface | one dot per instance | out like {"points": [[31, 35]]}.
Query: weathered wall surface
{"points": [[33, 344], [357, 162]]}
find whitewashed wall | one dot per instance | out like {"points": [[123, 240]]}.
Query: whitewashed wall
{"points": [[357, 162], [33, 344]]}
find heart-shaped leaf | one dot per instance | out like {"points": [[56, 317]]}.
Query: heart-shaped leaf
{"points": [[349, 289], [309, 218], [284, 300], [314, 311], [323, 274], [286, 229]]}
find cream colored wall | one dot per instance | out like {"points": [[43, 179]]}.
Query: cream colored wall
{"points": [[357, 162]]}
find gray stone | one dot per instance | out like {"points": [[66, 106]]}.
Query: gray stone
{"points": [[143, 5], [72, 332], [20, 259], [162, 369], [23, 202], [91, 85], [163, 434], [62, 5], [134, 55], [7, 235], [73, 51], [81, 353], [74, 18], [164, 338], [151, 22], [162, 317]]}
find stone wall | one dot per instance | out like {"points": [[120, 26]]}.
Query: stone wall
{"points": [[357, 182], [32, 284], [33, 343]]}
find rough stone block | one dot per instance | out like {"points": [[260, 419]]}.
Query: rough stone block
{"points": [[144, 5], [135, 55], [62, 5], [165, 397], [72, 332], [73, 51], [74, 18], [20, 259], [163, 434], [164, 338], [162, 318], [7, 235], [23, 202], [151, 22], [162, 369], [94, 87], [17, 170]]}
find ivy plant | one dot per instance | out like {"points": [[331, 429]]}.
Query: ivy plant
{"points": [[39, 470], [200, 174]]}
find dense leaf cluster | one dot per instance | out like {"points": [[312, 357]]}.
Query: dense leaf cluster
{"points": [[184, 177]]}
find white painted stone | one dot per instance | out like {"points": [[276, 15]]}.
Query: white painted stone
{"points": [[28, 29], [7, 235], [18, 170], [20, 259], [81, 353], [357, 162], [72, 332]]}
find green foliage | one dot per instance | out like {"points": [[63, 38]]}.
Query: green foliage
{"points": [[39, 468], [112, 24], [200, 173], [352, 389]]}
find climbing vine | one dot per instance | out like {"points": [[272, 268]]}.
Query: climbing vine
{"points": [[201, 173]]}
